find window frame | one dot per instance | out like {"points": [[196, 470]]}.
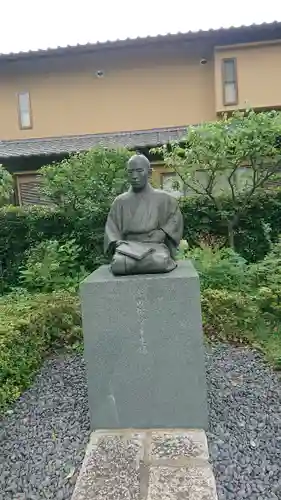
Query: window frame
{"points": [[165, 174], [171, 174], [226, 82], [21, 126]]}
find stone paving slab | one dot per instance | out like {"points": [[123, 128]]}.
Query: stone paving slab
{"points": [[179, 446], [178, 483], [146, 465], [111, 468]]}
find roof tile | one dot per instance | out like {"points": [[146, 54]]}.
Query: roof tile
{"points": [[77, 143], [138, 40]]}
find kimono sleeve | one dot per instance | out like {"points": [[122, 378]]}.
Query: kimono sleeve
{"points": [[113, 227], [173, 225]]}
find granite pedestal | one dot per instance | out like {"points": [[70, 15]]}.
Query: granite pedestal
{"points": [[143, 348]]}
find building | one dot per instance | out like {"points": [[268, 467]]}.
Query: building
{"points": [[139, 93]]}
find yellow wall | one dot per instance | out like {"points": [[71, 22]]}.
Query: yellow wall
{"points": [[141, 89], [258, 74]]}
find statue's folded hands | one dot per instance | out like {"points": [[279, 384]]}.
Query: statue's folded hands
{"points": [[157, 236]]}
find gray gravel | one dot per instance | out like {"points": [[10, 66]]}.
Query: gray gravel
{"points": [[42, 441], [245, 418]]}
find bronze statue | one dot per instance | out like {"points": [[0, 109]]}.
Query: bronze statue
{"points": [[144, 226]]}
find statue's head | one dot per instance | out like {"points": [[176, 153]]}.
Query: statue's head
{"points": [[138, 168]]}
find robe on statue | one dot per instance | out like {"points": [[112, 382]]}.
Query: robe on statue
{"points": [[143, 231]]}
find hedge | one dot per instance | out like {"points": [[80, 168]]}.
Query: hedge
{"points": [[21, 228], [33, 325], [30, 326]]}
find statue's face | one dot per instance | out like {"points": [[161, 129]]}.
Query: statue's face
{"points": [[138, 173]]}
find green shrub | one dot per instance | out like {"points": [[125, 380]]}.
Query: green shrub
{"points": [[269, 301], [30, 326], [229, 311], [6, 186], [232, 316], [240, 302], [21, 229], [239, 317], [269, 342], [268, 271], [51, 265], [261, 214], [218, 267], [265, 278]]}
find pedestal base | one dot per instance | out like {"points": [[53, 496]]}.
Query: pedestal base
{"points": [[144, 350]]}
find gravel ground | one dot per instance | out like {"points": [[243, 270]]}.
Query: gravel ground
{"points": [[42, 440], [245, 425]]}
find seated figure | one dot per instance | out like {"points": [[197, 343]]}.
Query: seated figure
{"points": [[144, 226]]}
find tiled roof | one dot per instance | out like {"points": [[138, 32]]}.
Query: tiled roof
{"points": [[76, 143], [189, 35]]}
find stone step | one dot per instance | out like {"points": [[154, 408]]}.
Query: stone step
{"points": [[170, 464]]}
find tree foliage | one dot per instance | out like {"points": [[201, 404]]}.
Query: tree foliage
{"points": [[6, 186], [240, 155], [89, 180]]}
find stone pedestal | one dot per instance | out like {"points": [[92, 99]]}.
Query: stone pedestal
{"points": [[144, 350]]}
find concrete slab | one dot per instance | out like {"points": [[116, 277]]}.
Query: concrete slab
{"points": [[146, 465], [173, 483], [182, 445], [111, 468]]}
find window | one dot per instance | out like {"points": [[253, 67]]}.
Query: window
{"points": [[29, 191], [24, 110], [229, 75], [171, 183]]}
